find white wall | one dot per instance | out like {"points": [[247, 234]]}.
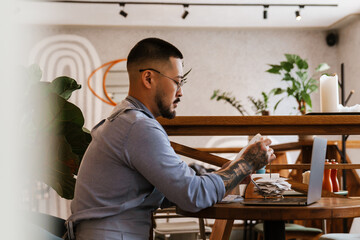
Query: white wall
{"points": [[349, 54], [229, 59]]}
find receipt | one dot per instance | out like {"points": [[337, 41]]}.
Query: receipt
{"points": [[256, 138]]}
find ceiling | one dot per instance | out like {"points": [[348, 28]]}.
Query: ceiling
{"points": [[44, 12]]}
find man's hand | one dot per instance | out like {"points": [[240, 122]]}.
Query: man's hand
{"points": [[256, 156], [259, 154]]}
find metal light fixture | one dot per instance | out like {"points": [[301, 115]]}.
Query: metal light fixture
{"points": [[186, 12], [265, 11], [122, 12], [297, 13]]}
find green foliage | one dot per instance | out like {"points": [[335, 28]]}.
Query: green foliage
{"points": [[226, 96], [56, 123], [259, 105], [294, 71]]}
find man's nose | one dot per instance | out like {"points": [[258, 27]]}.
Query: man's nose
{"points": [[179, 92]]}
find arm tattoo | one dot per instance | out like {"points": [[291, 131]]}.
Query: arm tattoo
{"points": [[234, 174], [252, 159]]}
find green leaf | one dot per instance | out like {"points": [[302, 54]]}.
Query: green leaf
{"points": [[307, 99], [277, 91], [287, 66], [64, 86], [77, 138], [292, 58], [313, 88], [288, 77], [322, 67], [276, 105], [275, 69], [290, 91], [215, 94], [266, 97], [302, 75]]}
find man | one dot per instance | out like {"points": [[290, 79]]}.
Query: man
{"points": [[130, 165]]}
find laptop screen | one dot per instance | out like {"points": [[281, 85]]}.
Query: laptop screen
{"points": [[316, 170]]}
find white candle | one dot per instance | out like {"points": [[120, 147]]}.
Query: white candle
{"points": [[329, 93]]}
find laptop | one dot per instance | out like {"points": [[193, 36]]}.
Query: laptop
{"points": [[315, 182]]}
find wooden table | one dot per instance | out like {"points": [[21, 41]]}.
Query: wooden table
{"points": [[274, 217], [251, 125]]}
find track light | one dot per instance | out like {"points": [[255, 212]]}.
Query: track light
{"points": [[186, 12], [265, 11], [122, 12], [297, 13]]}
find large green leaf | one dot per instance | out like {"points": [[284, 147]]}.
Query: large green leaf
{"points": [[302, 64], [287, 66], [292, 58], [307, 99], [275, 69], [64, 86]]}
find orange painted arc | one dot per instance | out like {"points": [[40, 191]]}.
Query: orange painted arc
{"points": [[111, 64]]}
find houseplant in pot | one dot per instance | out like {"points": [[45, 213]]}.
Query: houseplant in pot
{"points": [[58, 142], [260, 105], [294, 71], [56, 127]]}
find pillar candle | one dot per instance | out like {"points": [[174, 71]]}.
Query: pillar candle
{"points": [[329, 93]]}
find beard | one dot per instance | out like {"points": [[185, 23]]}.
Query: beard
{"points": [[163, 108]]}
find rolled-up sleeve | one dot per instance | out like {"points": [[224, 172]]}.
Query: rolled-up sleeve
{"points": [[149, 152]]}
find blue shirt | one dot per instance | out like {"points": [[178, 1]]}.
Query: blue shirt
{"points": [[129, 167]]}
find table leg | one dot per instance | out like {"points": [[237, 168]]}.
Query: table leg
{"points": [[274, 230], [221, 229]]}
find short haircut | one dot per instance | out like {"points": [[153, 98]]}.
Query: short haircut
{"points": [[152, 49]]}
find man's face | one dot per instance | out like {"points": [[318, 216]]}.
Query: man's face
{"points": [[168, 94]]}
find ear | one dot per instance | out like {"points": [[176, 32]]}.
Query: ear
{"points": [[147, 79]]}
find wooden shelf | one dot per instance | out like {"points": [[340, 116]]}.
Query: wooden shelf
{"points": [[307, 166], [266, 125]]}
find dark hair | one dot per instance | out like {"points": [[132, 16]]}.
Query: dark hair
{"points": [[152, 49]]}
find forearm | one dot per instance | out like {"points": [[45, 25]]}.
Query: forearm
{"points": [[235, 173]]}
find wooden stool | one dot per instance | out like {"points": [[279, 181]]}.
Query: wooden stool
{"points": [[293, 231]]}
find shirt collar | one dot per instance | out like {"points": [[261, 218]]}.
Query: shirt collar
{"points": [[136, 104]]}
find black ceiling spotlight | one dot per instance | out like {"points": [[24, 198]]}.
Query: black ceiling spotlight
{"points": [[265, 11], [122, 12], [186, 12], [297, 13]]}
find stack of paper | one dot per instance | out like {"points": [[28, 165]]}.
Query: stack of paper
{"points": [[271, 187]]}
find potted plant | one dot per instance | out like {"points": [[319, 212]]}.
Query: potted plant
{"points": [[226, 96], [294, 71], [56, 127], [260, 106]]}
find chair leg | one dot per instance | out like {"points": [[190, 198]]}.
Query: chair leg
{"points": [[245, 229], [202, 229]]}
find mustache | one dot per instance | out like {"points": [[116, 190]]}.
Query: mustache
{"points": [[177, 100]]}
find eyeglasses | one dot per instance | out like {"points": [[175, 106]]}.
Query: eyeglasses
{"points": [[178, 84]]}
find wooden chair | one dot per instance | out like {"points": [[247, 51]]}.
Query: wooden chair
{"points": [[168, 228]]}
